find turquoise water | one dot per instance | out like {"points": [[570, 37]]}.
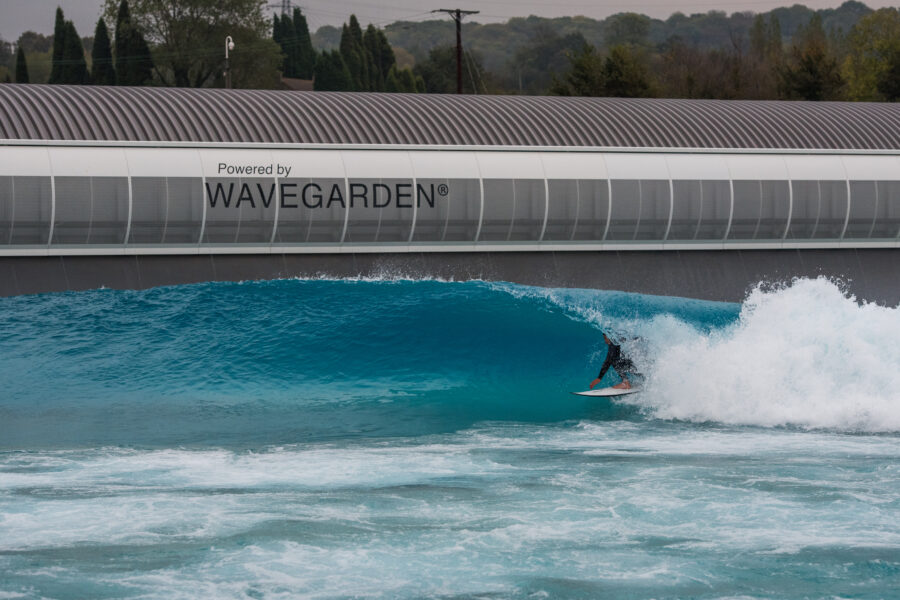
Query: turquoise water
{"points": [[416, 439]]}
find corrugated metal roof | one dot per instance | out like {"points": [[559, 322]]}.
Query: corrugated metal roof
{"points": [[45, 112]]}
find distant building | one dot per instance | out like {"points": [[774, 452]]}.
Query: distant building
{"points": [[686, 197]]}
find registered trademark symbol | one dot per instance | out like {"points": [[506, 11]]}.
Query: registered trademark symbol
{"points": [[443, 190]]}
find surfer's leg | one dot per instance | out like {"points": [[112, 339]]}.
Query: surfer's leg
{"points": [[624, 384]]}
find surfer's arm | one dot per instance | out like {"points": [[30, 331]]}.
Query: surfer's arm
{"points": [[593, 383], [606, 365]]}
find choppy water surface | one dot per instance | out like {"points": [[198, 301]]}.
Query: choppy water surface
{"points": [[408, 439]]}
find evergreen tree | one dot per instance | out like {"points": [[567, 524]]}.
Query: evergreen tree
{"points": [[102, 71], [306, 55], [288, 46], [21, 67], [352, 58], [59, 42], [134, 65], [624, 75], [811, 72], [331, 73], [73, 67], [373, 58]]}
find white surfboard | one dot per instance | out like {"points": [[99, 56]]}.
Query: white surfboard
{"points": [[608, 392]]}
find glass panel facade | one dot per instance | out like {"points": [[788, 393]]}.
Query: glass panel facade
{"points": [[91, 210], [166, 210], [310, 211], [240, 210], [832, 209], [747, 210], [94, 210], [578, 209], [715, 210], [805, 210], [499, 210], [887, 219], [452, 213], [626, 209], [381, 210], [863, 204], [775, 207], [530, 206], [686, 209], [655, 208], [25, 206]]}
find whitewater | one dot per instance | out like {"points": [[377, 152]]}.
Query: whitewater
{"points": [[397, 438]]}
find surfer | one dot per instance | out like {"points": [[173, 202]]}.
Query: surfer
{"points": [[622, 365]]}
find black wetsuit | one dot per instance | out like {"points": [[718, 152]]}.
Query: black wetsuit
{"points": [[614, 359]]}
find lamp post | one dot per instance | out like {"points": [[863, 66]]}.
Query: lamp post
{"points": [[229, 45]]}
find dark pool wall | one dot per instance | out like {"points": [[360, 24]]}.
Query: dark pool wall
{"points": [[870, 274]]}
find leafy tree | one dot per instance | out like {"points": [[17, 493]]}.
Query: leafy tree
{"points": [[531, 69], [889, 79], [584, 77], [439, 72], [625, 75], [331, 73], [872, 44], [626, 29], [32, 42], [188, 37], [811, 71], [102, 71], [21, 67], [134, 64]]}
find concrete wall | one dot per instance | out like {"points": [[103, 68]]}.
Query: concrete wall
{"points": [[870, 274]]}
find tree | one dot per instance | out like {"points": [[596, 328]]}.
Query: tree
{"points": [[331, 73], [59, 42], [134, 64], [21, 67], [354, 56], [102, 71], [888, 84], [872, 44], [188, 37], [811, 71], [624, 75], [584, 77], [306, 55], [439, 71]]}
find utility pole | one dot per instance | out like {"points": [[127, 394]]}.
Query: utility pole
{"points": [[458, 15]]}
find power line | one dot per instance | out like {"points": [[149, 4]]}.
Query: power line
{"points": [[458, 15]]}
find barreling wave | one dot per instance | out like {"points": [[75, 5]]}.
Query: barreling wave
{"points": [[291, 360]]}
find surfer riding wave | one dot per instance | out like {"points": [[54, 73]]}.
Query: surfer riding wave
{"points": [[622, 365]]}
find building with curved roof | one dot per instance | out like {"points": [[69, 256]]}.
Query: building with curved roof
{"points": [[272, 178]]}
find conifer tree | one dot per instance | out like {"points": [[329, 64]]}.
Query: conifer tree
{"points": [[59, 42], [306, 55], [134, 65], [352, 58], [331, 73], [21, 67], [73, 68], [102, 71]]}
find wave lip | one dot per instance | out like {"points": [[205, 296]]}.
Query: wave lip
{"points": [[805, 355]]}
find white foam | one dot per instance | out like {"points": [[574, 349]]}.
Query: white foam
{"points": [[806, 355]]}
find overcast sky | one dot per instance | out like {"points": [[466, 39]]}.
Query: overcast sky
{"points": [[17, 16]]}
